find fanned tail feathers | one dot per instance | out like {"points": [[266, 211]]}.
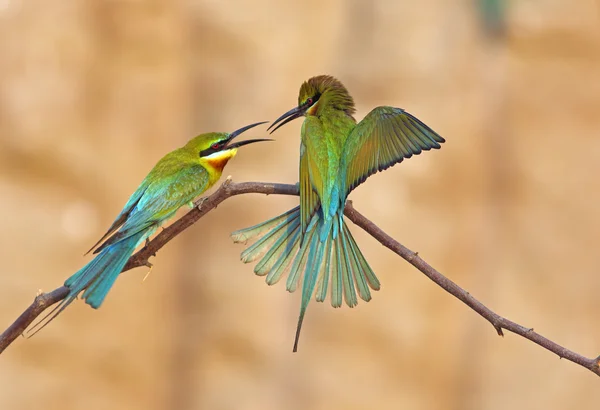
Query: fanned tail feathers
{"points": [[333, 260]]}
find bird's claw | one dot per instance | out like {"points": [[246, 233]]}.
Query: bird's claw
{"points": [[200, 202]]}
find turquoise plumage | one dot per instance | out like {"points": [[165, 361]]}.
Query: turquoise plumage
{"points": [[336, 155], [176, 180]]}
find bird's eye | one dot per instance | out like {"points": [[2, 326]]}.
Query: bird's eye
{"points": [[216, 145], [309, 101]]}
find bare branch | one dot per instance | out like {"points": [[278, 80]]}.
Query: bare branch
{"points": [[140, 258], [229, 189], [496, 320]]}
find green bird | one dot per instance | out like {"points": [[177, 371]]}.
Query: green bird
{"points": [[336, 155], [178, 178]]}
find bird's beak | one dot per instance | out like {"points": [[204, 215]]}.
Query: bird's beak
{"points": [[234, 134], [288, 116]]}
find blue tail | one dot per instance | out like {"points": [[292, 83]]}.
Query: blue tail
{"points": [[325, 253], [96, 278]]}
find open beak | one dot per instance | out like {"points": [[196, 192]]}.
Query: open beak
{"points": [[238, 144], [288, 116]]}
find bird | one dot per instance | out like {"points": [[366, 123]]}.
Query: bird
{"points": [[311, 243], [176, 179]]}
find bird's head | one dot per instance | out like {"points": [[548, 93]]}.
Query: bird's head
{"points": [[216, 148], [317, 95]]}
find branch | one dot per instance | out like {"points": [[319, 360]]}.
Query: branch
{"points": [[495, 319], [201, 207], [228, 189]]}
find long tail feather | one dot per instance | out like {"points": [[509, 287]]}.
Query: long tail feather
{"points": [[315, 260], [284, 263], [95, 279], [367, 272], [324, 257], [257, 231], [336, 273], [347, 274], [279, 246], [324, 270], [300, 263]]}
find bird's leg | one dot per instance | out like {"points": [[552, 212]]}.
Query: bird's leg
{"points": [[199, 203], [148, 264]]}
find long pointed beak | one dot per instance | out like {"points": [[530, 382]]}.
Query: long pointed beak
{"points": [[288, 116], [246, 142], [236, 133], [246, 128]]}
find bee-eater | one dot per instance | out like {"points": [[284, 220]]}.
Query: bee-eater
{"points": [[178, 178], [336, 155]]}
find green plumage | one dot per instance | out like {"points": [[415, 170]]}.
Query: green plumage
{"points": [[313, 241], [176, 180]]}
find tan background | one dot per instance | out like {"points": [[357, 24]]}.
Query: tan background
{"points": [[93, 93]]}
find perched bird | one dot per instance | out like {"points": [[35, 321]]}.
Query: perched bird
{"points": [[178, 178], [336, 155]]}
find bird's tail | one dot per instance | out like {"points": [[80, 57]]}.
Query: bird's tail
{"points": [[95, 279], [326, 253]]}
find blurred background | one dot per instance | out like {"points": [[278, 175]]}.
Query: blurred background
{"points": [[92, 94]]}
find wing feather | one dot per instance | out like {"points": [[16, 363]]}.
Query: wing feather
{"points": [[385, 137], [309, 200], [163, 196]]}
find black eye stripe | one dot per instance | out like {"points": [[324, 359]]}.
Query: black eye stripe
{"points": [[215, 147], [314, 99]]}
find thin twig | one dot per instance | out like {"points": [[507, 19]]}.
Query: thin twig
{"points": [[229, 189], [495, 319]]}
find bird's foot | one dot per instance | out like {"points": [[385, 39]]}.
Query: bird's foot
{"points": [[199, 202]]}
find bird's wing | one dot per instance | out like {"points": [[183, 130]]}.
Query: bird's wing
{"points": [[309, 200], [122, 217], [383, 138], [166, 192]]}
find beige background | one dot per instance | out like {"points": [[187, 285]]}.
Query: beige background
{"points": [[93, 93]]}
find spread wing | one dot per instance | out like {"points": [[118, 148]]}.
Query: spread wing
{"points": [[167, 189], [383, 138]]}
